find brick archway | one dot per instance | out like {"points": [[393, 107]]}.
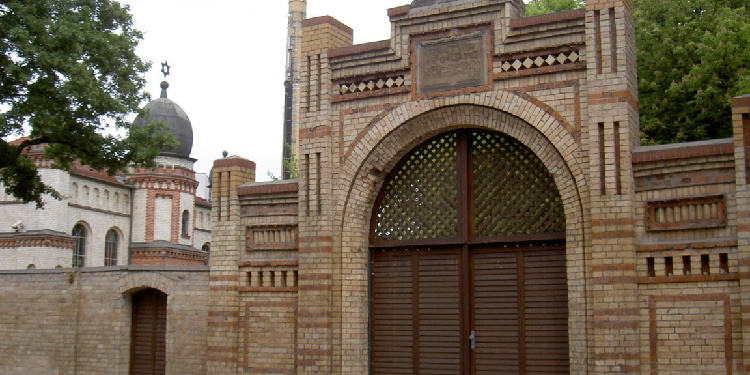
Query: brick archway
{"points": [[390, 137]]}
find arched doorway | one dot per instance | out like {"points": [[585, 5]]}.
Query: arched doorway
{"points": [[149, 328], [468, 262]]}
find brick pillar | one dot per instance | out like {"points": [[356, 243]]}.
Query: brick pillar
{"points": [[316, 209], [741, 125], [297, 13], [227, 244], [612, 133]]}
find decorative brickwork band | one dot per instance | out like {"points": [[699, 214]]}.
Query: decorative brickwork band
{"points": [[687, 213], [31, 239], [156, 254], [540, 61], [374, 84], [277, 237]]}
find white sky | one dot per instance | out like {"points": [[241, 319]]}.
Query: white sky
{"points": [[227, 66]]}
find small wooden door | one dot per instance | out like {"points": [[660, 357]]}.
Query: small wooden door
{"points": [[148, 348]]}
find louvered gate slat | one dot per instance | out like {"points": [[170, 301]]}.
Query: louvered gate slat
{"points": [[546, 312], [496, 313], [439, 313], [392, 306]]}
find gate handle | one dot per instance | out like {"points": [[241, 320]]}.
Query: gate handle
{"points": [[472, 340]]}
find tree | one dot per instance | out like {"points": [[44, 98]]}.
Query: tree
{"points": [[69, 77], [537, 7], [692, 59]]}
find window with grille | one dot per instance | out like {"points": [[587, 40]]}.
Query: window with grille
{"points": [[111, 243], [79, 252]]}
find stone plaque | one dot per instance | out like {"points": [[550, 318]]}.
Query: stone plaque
{"points": [[452, 63]]}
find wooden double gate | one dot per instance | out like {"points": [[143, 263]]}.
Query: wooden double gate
{"points": [[467, 262]]}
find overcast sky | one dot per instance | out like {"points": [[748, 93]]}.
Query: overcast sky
{"points": [[227, 66]]}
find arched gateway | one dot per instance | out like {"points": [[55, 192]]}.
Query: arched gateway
{"points": [[467, 261], [504, 130]]}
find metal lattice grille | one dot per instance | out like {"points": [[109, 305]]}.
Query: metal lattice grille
{"points": [[514, 192], [421, 196]]}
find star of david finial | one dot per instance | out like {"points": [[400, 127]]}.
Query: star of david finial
{"points": [[165, 69]]}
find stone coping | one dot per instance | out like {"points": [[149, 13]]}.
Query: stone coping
{"points": [[29, 233], [268, 187], [642, 154], [129, 268], [164, 245]]}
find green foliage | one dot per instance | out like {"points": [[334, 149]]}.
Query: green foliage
{"points": [[693, 57], [537, 7], [291, 164], [68, 73], [287, 164]]}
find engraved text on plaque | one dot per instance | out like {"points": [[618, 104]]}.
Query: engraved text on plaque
{"points": [[451, 63]]}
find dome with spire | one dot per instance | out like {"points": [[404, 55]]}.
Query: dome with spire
{"points": [[164, 109]]}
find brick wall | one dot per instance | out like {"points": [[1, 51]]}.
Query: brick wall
{"points": [[656, 237], [227, 243], [741, 126], [268, 277], [66, 322]]}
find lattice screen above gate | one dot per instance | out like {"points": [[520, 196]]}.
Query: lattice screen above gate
{"points": [[510, 192]]}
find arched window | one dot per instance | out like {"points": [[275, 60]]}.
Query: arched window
{"points": [[79, 252], [111, 243], [185, 222], [86, 197], [207, 248], [74, 193]]}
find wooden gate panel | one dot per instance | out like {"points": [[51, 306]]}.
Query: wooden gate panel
{"points": [[439, 314], [392, 307], [416, 306], [149, 330], [495, 304], [546, 312]]}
